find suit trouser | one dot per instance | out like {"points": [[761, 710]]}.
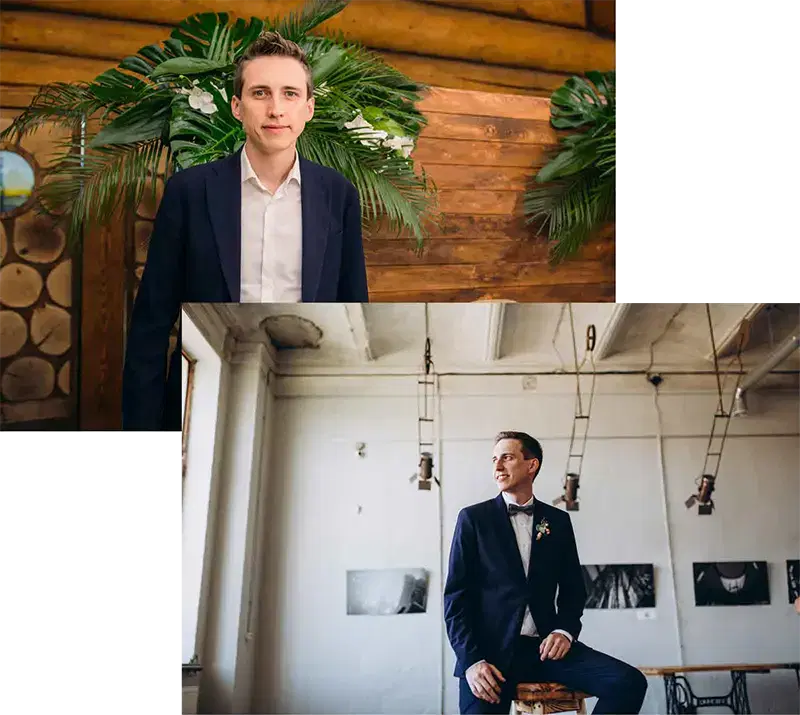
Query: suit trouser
{"points": [[619, 687]]}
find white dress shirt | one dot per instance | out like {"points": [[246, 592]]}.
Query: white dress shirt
{"points": [[272, 238], [523, 530]]}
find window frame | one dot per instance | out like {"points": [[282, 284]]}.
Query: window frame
{"points": [[187, 409]]}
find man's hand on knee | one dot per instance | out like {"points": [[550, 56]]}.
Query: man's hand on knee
{"points": [[482, 678], [554, 647]]}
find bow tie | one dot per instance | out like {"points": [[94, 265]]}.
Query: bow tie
{"points": [[516, 509]]}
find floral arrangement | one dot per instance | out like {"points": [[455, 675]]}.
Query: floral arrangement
{"points": [[577, 188], [168, 107]]}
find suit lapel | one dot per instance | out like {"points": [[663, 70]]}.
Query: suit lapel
{"points": [[224, 197], [536, 562], [315, 199], [507, 538]]}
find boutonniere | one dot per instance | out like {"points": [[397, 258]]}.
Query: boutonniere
{"points": [[542, 529]]}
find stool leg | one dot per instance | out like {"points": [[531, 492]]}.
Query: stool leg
{"points": [[514, 710]]}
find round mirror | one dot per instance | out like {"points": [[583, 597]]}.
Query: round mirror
{"points": [[17, 182]]}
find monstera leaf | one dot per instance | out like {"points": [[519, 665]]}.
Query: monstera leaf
{"points": [[575, 192]]}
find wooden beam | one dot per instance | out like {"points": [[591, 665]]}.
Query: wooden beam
{"points": [[494, 331], [102, 326], [406, 26], [38, 68], [729, 340], [357, 322], [480, 76], [476, 128], [73, 35], [557, 12], [64, 34], [17, 96], [611, 331], [602, 17]]}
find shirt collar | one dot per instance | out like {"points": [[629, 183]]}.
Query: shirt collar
{"points": [[510, 500], [249, 173]]}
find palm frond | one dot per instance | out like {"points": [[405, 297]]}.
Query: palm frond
{"points": [[297, 25], [96, 183], [383, 181]]}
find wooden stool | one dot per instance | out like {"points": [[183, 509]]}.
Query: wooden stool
{"points": [[544, 698]]}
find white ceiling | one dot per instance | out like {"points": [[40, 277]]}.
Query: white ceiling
{"points": [[513, 336]]}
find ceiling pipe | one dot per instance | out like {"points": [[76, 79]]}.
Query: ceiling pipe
{"points": [[786, 348]]}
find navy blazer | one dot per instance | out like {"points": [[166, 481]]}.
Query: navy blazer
{"points": [[195, 257], [486, 589]]}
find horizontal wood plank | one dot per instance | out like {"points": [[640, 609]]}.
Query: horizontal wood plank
{"points": [[480, 202], [402, 25], [499, 178], [462, 101], [487, 276], [559, 293], [472, 227], [483, 128], [454, 151], [444, 251]]}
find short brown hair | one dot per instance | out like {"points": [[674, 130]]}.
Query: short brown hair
{"points": [[531, 449], [271, 44]]}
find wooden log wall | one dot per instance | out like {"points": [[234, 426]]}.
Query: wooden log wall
{"points": [[506, 46], [481, 149]]}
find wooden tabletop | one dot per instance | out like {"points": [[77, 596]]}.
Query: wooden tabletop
{"points": [[750, 667]]}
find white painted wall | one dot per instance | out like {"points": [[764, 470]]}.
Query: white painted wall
{"points": [[312, 657], [201, 484]]}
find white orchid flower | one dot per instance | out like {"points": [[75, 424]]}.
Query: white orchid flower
{"points": [[372, 136], [200, 99], [401, 144]]}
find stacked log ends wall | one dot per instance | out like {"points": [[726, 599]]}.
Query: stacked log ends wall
{"points": [[37, 331]]}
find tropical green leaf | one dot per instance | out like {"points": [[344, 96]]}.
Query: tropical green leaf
{"points": [[187, 66], [574, 193], [298, 24], [141, 123]]}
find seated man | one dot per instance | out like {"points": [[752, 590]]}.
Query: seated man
{"points": [[508, 556]]}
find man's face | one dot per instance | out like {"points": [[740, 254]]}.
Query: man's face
{"points": [[511, 469], [274, 106]]}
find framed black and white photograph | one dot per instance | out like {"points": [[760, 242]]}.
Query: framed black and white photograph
{"points": [[793, 578], [619, 586], [387, 592], [731, 583]]}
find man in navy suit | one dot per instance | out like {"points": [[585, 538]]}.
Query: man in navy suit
{"points": [[505, 623], [263, 225]]}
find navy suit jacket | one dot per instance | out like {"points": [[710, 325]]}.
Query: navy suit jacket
{"points": [[486, 589], [195, 257]]}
